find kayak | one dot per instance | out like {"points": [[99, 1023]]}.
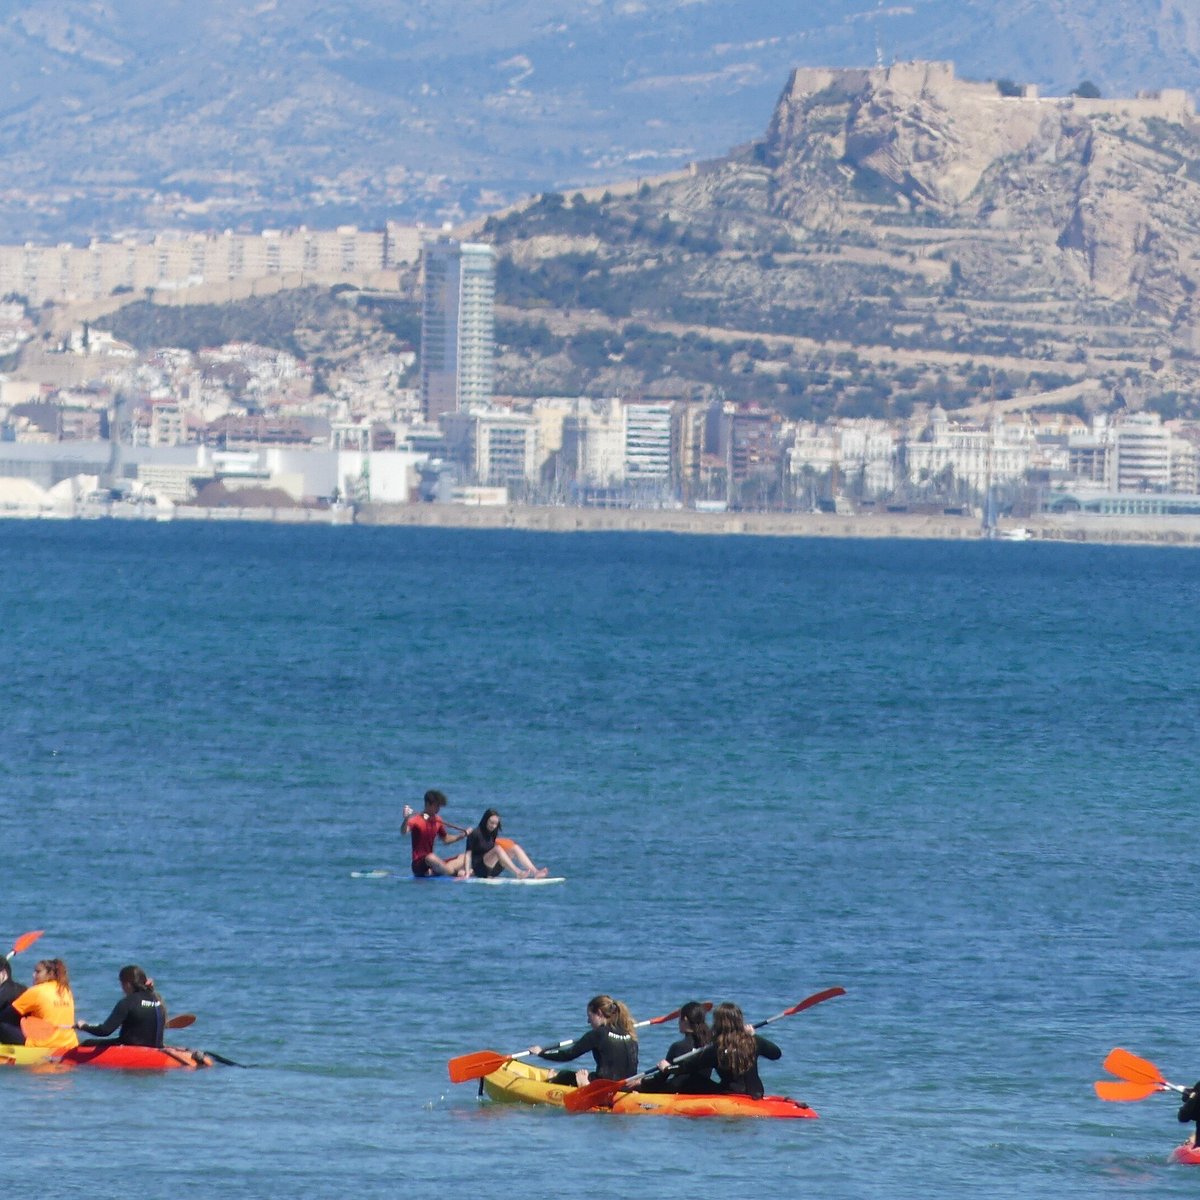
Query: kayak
{"points": [[1187, 1154], [113, 1057], [498, 880], [520, 1083]]}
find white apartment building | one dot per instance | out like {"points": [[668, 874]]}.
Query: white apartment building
{"points": [[1148, 457], [498, 447], [649, 441], [978, 455], [863, 449], [593, 443], [172, 262]]}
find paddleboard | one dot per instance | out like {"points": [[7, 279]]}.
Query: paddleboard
{"points": [[498, 881]]}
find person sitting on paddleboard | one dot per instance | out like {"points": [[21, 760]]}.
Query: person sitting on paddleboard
{"points": [[490, 855], [48, 997], [612, 1041], [690, 1079], [140, 1014], [426, 828], [1189, 1110], [734, 1051]]}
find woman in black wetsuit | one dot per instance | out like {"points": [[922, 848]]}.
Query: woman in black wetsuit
{"points": [[734, 1051], [492, 855], [140, 1014], [612, 1041], [690, 1079]]}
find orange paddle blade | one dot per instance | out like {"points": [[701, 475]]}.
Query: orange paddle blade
{"points": [[182, 1021], [505, 843], [26, 940], [37, 1030], [598, 1094], [1124, 1089], [1125, 1065], [475, 1066]]}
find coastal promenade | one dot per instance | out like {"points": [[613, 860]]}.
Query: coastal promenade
{"points": [[1069, 527]]}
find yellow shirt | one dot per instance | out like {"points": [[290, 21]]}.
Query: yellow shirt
{"points": [[46, 1001]]}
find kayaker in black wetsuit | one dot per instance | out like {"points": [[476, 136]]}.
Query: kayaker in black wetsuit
{"points": [[1189, 1110], [734, 1052], [10, 989], [492, 855], [140, 1015], [612, 1040], [690, 1079]]}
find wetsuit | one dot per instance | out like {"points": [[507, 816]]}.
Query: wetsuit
{"points": [[10, 989], [141, 1017], [1189, 1110], [479, 844], [425, 828], [616, 1054], [691, 1079], [747, 1084]]}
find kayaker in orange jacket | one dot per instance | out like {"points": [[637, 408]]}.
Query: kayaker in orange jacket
{"points": [[49, 997]]}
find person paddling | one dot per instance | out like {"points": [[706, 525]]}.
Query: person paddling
{"points": [[10, 989], [612, 1040], [140, 1014], [426, 828], [490, 855], [734, 1052], [48, 997], [690, 1079], [1189, 1110]]}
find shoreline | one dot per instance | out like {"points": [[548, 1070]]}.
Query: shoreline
{"points": [[1088, 528]]}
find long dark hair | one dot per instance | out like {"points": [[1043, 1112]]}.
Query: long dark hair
{"points": [[137, 979], [736, 1049], [487, 836], [695, 1016]]}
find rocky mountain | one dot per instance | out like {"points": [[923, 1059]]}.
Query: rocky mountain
{"points": [[131, 115], [897, 235]]}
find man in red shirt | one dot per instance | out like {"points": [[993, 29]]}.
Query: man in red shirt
{"points": [[426, 827]]}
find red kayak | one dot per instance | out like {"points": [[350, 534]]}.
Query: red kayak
{"points": [[136, 1058], [1187, 1154]]}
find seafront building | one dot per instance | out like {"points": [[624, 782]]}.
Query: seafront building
{"points": [[458, 335]]}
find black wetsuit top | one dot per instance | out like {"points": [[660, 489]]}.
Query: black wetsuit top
{"points": [[692, 1079], [616, 1053], [141, 1017], [748, 1084], [10, 989], [479, 844]]}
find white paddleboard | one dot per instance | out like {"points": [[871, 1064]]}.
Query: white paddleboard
{"points": [[495, 881]]}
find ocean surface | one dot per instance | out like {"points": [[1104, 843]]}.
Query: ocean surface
{"points": [[957, 780]]}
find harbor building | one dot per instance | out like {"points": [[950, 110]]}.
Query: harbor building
{"points": [[458, 338]]}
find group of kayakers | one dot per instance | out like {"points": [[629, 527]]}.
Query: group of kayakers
{"points": [[730, 1047], [137, 1019], [487, 854]]}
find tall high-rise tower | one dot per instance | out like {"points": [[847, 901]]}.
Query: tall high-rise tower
{"points": [[458, 327]]}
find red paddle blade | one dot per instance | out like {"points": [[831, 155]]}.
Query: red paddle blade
{"points": [[475, 1066], [37, 1029], [1124, 1089], [26, 940], [671, 1016], [1125, 1065], [815, 998], [182, 1021], [598, 1094]]}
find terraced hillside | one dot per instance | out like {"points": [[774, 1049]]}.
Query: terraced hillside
{"points": [[897, 236]]}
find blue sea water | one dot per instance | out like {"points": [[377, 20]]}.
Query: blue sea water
{"points": [[958, 780]]}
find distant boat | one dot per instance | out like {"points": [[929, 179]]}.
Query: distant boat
{"points": [[1019, 534]]}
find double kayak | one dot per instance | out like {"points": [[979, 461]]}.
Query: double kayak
{"points": [[113, 1057], [520, 1083]]}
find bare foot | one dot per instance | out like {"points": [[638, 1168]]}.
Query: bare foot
{"points": [[542, 872]]}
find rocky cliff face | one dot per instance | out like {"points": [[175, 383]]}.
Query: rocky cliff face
{"points": [[1113, 185]]}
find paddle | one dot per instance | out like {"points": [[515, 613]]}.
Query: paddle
{"points": [[38, 1028], [24, 942], [484, 1062], [600, 1093], [1133, 1069], [1124, 1089]]}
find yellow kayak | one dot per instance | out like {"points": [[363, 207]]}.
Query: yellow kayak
{"points": [[26, 1056], [519, 1083]]}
